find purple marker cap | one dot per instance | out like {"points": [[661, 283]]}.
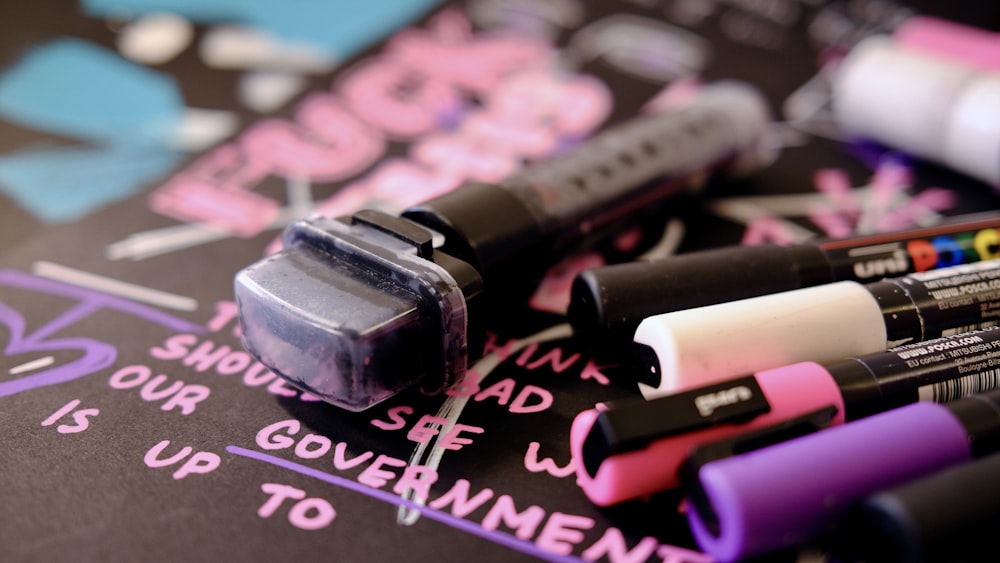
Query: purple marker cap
{"points": [[786, 494]]}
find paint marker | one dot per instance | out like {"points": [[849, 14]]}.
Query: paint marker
{"points": [[788, 493], [685, 349], [929, 106], [356, 310], [610, 302], [950, 516], [969, 45], [614, 446]]}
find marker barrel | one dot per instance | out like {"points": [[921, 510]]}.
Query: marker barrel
{"points": [[684, 349], [609, 302], [952, 515], [550, 208], [788, 493], [929, 106], [614, 446], [356, 310]]}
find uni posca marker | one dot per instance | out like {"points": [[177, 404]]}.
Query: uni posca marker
{"points": [[685, 349], [611, 301], [970, 45], [788, 493], [951, 515], [929, 106], [355, 310], [615, 445]]}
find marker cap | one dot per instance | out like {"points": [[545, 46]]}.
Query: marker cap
{"points": [[693, 347], [611, 301], [922, 104], [963, 43], [786, 494], [971, 139], [951, 515], [615, 446], [356, 313]]}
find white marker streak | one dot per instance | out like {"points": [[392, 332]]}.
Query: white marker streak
{"points": [[33, 365], [744, 211], [452, 408], [748, 208], [673, 235], [146, 244], [114, 287]]}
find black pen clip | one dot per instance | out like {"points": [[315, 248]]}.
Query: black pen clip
{"points": [[632, 424]]}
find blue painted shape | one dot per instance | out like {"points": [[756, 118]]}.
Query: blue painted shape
{"points": [[339, 27], [74, 88], [64, 184]]}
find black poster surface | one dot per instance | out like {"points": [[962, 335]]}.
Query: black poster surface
{"points": [[135, 427]]}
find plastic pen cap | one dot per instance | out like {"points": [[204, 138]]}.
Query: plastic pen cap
{"points": [[313, 314], [611, 301], [684, 349]]}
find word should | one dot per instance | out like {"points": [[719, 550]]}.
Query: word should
{"points": [[207, 356]]}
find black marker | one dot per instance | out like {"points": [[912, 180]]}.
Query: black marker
{"points": [[788, 493], [356, 310], [611, 301], [949, 516]]}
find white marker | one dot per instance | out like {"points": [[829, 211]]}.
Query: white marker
{"points": [[694, 347], [932, 107]]}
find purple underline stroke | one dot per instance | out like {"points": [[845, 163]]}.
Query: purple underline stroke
{"points": [[443, 517]]}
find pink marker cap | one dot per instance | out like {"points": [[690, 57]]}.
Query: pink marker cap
{"points": [[970, 45], [610, 477]]}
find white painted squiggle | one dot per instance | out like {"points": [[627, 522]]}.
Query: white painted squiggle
{"points": [[429, 454]]}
